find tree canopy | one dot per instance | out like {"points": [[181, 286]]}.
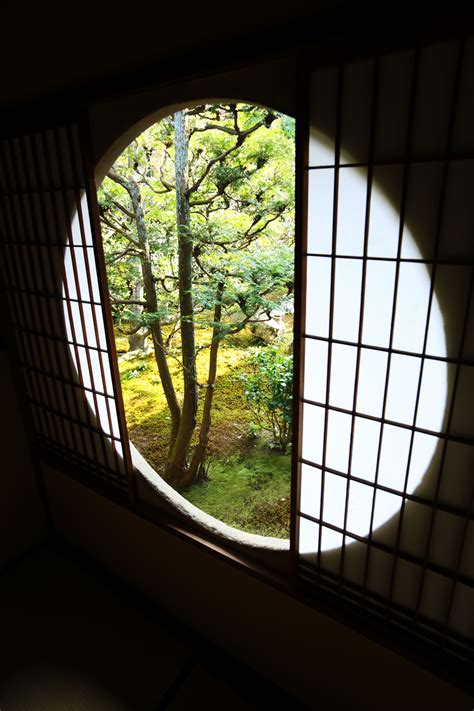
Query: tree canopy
{"points": [[197, 216]]}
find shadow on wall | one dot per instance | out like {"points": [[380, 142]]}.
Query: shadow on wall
{"points": [[423, 193], [436, 229]]}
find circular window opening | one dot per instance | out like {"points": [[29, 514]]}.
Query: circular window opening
{"points": [[197, 218], [198, 222]]}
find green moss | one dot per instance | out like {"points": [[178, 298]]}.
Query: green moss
{"points": [[250, 492], [249, 483], [121, 343]]}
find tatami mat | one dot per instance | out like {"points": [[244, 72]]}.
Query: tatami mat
{"points": [[73, 639]]}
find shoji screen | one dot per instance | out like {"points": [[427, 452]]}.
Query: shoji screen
{"points": [[385, 496], [53, 277]]}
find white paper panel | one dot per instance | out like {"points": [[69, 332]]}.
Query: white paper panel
{"points": [[310, 503], [338, 440], [320, 210], [372, 376], [313, 432], [315, 370], [379, 290], [318, 296], [348, 277], [343, 368], [351, 211], [402, 387], [365, 449], [334, 500]]}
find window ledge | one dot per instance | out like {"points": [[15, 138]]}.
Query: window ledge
{"points": [[152, 489]]}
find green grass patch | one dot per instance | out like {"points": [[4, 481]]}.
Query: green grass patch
{"points": [[249, 483], [250, 492]]}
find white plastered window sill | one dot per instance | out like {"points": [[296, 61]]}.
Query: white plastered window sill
{"points": [[153, 490]]}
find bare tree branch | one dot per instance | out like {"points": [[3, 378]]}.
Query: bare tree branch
{"points": [[127, 302], [163, 280], [110, 258], [169, 186], [241, 136], [120, 230], [167, 189], [132, 331], [249, 232], [123, 209], [214, 127], [207, 201]]}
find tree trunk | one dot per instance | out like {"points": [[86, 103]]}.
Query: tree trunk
{"points": [[197, 469], [149, 290], [137, 339], [176, 467]]}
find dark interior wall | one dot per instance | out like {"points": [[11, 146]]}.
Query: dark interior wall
{"points": [[116, 122], [22, 519], [324, 663], [51, 46], [99, 47]]}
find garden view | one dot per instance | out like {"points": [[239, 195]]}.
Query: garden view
{"points": [[198, 225]]}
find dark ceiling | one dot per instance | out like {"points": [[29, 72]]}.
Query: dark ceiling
{"points": [[48, 46], [52, 47]]}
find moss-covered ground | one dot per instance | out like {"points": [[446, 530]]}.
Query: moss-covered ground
{"points": [[248, 483]]}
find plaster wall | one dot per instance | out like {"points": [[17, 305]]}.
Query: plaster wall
{"points": [[22, 519], [326, 664]]}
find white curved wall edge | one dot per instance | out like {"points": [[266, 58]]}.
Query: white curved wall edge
{"points": [[154, 490], [411, 313]]}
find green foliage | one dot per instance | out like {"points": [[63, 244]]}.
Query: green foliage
{"points": [[240, 190], [241, 220], [135, 372], [249, 483], [268, 386]]}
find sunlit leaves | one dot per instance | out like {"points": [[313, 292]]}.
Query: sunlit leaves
{"points": [[241, 215], [268, 387]]}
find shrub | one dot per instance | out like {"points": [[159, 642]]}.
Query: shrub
{"points": [[135, 372], [268, 386]]}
